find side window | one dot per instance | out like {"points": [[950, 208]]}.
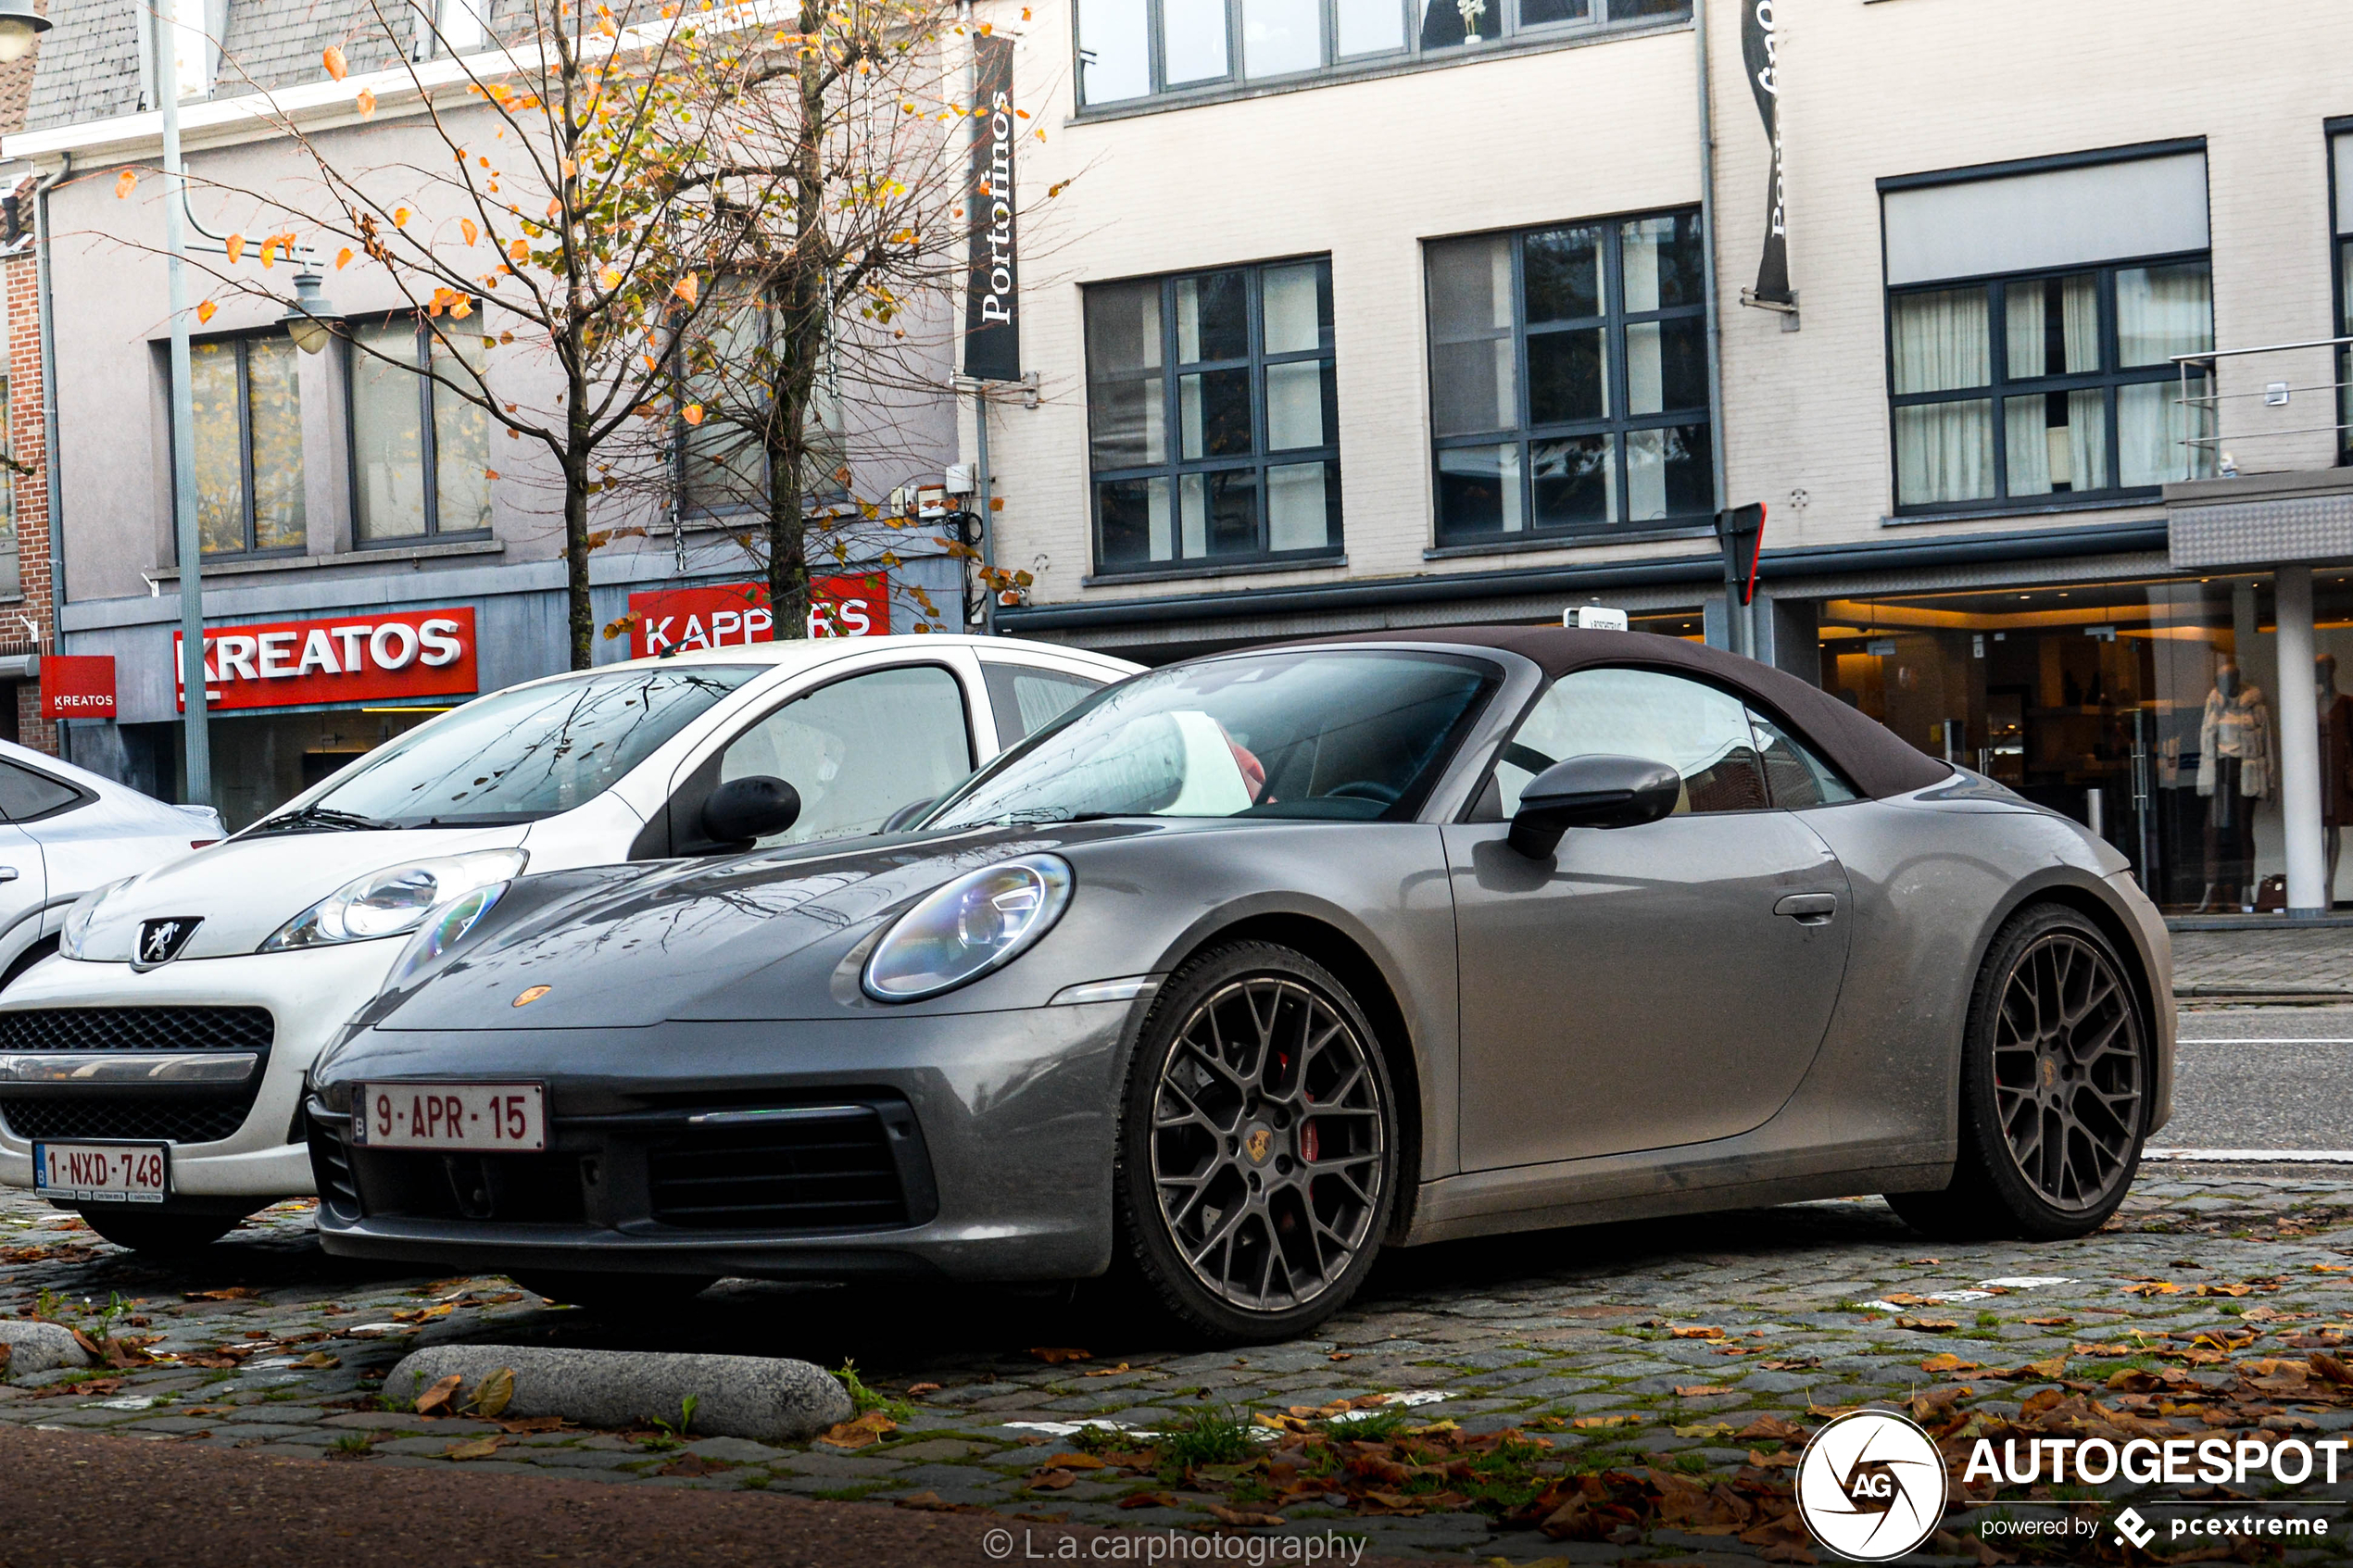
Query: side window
{"points": [[859, 749], [1696, 730], [1798, 778], [25, 794], [1027, 700]]}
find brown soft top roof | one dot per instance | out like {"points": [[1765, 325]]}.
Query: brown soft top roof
{"points": [[1864, 749]]}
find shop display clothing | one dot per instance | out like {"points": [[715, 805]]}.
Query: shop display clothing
{"points": [[2235, 771], [2336, 758]]}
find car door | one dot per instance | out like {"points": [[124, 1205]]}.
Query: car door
{"points": [[1650, 986], [27, 798], [857, 749]]}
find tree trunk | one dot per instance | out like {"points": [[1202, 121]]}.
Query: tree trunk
{"points": [[802, 329], [580, 609]]}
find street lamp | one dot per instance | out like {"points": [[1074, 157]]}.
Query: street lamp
{"points": [[20, 25], [310, 320]]}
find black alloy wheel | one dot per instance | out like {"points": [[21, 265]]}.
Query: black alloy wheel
{"points": [[2055, 1068], [1258, 1149], [2068, 1075]]}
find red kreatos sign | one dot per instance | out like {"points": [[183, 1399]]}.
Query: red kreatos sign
{"points": [[392, 655], [731, 614], [77, 686]]}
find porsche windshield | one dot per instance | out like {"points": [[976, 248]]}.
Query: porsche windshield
{"points": [[1354, 735], [517, 755]]}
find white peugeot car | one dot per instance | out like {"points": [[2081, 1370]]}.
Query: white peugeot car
{"points": [[150, 1077], [64, 831]]}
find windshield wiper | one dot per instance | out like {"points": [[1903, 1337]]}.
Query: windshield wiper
{"points": [[1029, 816], [317, 819]]}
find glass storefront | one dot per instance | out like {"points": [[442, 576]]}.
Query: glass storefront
{"points": [[2146, 708], [260, 762]]}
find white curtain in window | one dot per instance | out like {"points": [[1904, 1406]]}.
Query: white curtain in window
{"points": [[2161, 311], [1943, 452], [2153, 430], [2044, 456], [1473, 386], [1942, 344]]}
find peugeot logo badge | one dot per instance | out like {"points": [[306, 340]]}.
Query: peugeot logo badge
{"points": [[163, 940]]}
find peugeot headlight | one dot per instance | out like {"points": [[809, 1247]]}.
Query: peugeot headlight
{"points": [[958, 932], [395, 901], [448, 926], [85, 909]]}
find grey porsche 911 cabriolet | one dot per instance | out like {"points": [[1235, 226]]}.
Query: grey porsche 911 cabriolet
{"points": [[1254, 965]]}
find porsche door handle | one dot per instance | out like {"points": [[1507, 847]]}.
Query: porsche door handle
{"points": [[1809, 909]]}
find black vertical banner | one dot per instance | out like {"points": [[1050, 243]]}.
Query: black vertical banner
{"points": [[1757, 49], [993, 312]]}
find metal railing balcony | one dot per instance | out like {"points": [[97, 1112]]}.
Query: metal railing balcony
{"points": [[2249, 410]]}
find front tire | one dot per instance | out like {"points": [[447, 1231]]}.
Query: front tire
{"points": [[2054, 1088], [161, 1234], [1257, 1153]]}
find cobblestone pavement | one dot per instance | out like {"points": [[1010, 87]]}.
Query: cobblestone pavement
{"points": [[1648, 1353], [2282, 962]]}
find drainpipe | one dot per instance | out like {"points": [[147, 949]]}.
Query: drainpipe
{"points": [[1736, 613], [48, 333]]}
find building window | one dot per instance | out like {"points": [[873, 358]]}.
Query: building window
{"points": [[249, 443], [2341, 212], [2023, 388], [1130, 49], [1213, 417], [421, 450], [730, 358], [1569, 379]]}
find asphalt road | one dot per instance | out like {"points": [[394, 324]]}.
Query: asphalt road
{"points": [[2273, 1078]]}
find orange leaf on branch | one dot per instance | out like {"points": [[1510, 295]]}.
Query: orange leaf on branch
{"points": [[235, 245], [205, 311], [337, 67], [687, 288], [126, 182], [467, 227], [366, 102], [343, 258], [691, 413]]}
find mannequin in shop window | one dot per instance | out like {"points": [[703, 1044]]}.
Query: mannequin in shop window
{"points": [[2234, 773], [2336, 763]]}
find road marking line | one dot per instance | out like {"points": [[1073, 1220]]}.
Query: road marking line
{"points": [[2255, 1156]]}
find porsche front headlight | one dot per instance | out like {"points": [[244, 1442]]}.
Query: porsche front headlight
{"points": [[450, 925], [76, 930], [980, 922], [396, 900]]}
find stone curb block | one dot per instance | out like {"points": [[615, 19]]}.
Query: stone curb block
{"points": [[765, 1398], [39, 1347]]}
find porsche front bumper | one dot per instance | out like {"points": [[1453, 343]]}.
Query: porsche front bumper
{"points": [[968, 1146]]}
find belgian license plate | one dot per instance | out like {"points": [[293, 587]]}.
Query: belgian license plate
{"points": [[484, 1118], [102, 1172]]}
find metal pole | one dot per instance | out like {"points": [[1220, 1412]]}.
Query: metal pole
{"points": [[2299, 722], [190, 546], [1735, 613], [987, 522]]}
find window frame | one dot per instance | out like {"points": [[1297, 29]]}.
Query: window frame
{"points": [[1484, 805], [428, 442], [2340, 279], [242, 343], [828, 491], [2111, 377], [1613, 322], [1174, 466], [79, 796], [1509, 30]]}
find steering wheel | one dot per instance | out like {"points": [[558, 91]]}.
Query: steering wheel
{"points": [[1363, 789]]}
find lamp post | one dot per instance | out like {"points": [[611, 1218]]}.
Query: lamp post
{"points": [[310, 320], [188, 542]]}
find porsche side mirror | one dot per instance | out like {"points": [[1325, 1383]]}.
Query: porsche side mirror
{"points": [[751, 807], [905, 816], [1592, 792]]}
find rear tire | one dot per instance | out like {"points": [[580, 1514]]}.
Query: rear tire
{"points": [[162, 1235], [1256, 1164], [2055, 1067]]}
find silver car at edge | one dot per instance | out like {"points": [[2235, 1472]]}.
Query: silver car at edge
{"points": [[1252, 965], [64, 831]]}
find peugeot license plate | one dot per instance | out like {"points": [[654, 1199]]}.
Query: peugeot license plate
{"points": [[102, 1172], [484, 1118]]}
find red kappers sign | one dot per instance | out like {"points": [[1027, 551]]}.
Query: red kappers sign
{"points": [[730, 614], [77, 686], [363, 658]]}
